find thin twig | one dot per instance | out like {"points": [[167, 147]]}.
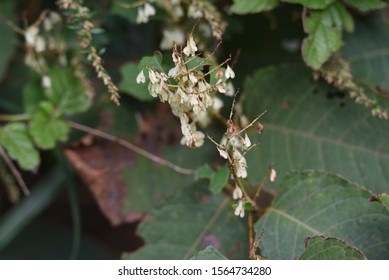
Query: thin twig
{"points": [[14, 171], [262, 183], [131, 147]]}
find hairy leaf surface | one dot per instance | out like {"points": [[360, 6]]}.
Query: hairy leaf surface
{"points": [[307, 126], [189, 222], [15, 139], [316, 203], [322, 248]]}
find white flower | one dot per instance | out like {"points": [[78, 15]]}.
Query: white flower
{"points": [[190, 48], [40, 44], [141, 18], [192, 78], [140, 78], [31, 34], [217, 104], [237, 193], [246, 142], [149, 10], [273, 175], [240, 164], [220, 86], [170, 36], [174, 71], [46, 81], [239, 210], [223, 153], [229, 72], [194, 11], [153, 77], [230, 90]]}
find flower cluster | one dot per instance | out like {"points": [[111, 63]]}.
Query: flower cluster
{"points": [[233, 146], [189, 89], [144, 12], [41, 39]]}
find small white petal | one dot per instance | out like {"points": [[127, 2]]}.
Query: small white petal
{"points": [[190, 48], [237, 193], [247, 142], [140, 78], [149, 10], [153, 77], [46, 82], [229, 72], [141, 17], [223, 153], [273, 175], [239, 210]]}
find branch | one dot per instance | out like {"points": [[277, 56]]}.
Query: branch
{"points": [[14, 171], [131, 147]]}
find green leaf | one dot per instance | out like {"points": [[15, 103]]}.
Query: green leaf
{"points": [[66, 92], [129, 85], [190, 221], [218, 179], [305, 127], [331, 248], [381, 198], [365, 5], [324, 37], [316, 203], [209, 253], [149, 185], [154, 61], [316, 4], [46, 128], [252, 6], [204, 171], [367, 51], [7, 33], [341, 17], [15, 139]]}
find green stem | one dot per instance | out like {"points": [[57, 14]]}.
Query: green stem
{"points": [[15, 118]]}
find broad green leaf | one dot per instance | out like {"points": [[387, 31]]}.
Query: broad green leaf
{"points": [[189, 222], [150, 185], [316, 4], [365, 5], [341, 17], [252, 6], [7, 34], [330, 248], [209, 253], [15, 139], [324, 37], [66, 92], [381, 198], [305, 127], [218, 179], [46, 128], [367, 50], [316, 203], [129, 85]]}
